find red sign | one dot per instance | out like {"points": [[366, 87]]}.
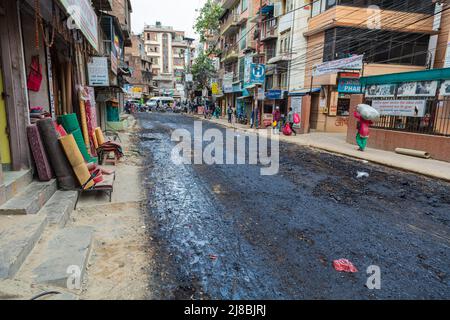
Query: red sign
{"points": [[349, 75]]}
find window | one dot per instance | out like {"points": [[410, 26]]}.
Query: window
{"points": [[378, 46], [420, 6], [243, 37], [152, 36], [244, 5]]}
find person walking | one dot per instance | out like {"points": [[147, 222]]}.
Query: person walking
{"points": [[290, 120], [252, 118], [277, 118], [363, 131], [229, 113]]}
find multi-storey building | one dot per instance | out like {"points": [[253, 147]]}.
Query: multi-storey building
{"points": [[140, 81], [238, 42], [391, 37], [166, 49]]}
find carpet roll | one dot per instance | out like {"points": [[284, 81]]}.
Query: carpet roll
{"points": [[57, 158], [76, 159], [100, 137], [43, 167], [69, 122]]}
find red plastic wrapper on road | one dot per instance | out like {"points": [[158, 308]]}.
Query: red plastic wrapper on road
{"points": [[344, 265]]}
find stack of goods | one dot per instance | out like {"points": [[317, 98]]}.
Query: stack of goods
{"points": [[368, 112], [37, 113], [71, 126], [57, 158], [43, 167]]}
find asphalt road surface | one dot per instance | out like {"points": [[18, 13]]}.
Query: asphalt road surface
{"points": [[227, 232]]}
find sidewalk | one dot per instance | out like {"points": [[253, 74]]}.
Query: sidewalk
{"points": [[336, 143]]}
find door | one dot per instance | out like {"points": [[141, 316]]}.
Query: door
{"points": [[4, 138]]}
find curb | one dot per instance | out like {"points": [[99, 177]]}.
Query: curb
{"points": [[340, 153]]}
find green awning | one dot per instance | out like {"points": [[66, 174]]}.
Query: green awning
{"points": [[425, 75]]}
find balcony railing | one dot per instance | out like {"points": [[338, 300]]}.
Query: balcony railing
{"points": [[231, 24]]}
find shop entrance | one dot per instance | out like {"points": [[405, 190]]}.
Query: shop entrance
{"points": [[5, 153]]}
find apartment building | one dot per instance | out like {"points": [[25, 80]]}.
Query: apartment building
{"points": [[167, 50], [140, 65], [387, 36], [238, 45]]}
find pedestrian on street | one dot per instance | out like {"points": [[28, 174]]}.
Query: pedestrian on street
{"points": [[252, 118], [230, 113], [277, 118], [291, 120], [363, 131]]}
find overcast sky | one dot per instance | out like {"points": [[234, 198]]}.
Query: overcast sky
{"points": [[179, 14]]}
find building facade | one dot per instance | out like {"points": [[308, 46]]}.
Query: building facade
{"points": [[140, 83], [166, 49]]}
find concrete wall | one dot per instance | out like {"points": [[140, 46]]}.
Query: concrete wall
{"points": [[389, 140]]}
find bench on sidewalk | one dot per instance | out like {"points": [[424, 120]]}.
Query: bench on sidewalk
{"points": [[106, 186]]}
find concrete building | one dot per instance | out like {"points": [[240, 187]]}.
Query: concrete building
{"points": [[166, 49], [390, 38], [140, 83]]}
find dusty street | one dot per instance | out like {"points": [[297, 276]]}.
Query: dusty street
{"points": [[226, 232]]}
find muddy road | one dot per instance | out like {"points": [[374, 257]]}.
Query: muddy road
{"points": [[226, 232]]}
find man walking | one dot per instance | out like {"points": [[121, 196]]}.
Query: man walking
{"points": [[229, 113], [277, 118]]}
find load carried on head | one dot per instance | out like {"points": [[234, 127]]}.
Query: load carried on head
{"points": [[368, 112]]}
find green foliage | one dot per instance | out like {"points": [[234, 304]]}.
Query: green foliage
{"points": [[207, 22], [203, 70]]}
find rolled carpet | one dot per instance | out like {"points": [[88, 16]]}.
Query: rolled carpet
{"points": [[76, 159], [69, 122], [78, 136], [58, 160], [43, 167], [100, 137]]}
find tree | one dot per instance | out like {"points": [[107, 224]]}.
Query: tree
{"points": [[208, 22], [203, 70]]}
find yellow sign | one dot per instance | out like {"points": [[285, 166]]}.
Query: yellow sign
{"points": [[215, 88], [136, 90]]}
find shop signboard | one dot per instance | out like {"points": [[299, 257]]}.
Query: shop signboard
{"points": [[237, 87], [346, 85], [351, 63], [84, 18], [257, 73], [114, 63], [248, 61], [404, 108], [445, 88], [261, 94], [189, 77], [417, 89], [274, 95], [98, 72], [228, 82], [381, 91], [215, 88]]}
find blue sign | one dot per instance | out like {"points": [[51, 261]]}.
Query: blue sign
{"points": [[274, 95], [257, 73], [349, 86]]}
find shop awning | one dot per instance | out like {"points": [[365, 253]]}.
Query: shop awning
{"points": [[303, 92], [425, 75]]}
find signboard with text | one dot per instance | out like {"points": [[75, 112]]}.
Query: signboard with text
{"points": [[405, 108], [84, 18], [351, 63], [349, 86], [98, 72]]}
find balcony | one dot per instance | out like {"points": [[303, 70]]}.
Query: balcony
{"points": [[346, 16], [269, 34], [231, 25], [229, 55], [228, 4]]}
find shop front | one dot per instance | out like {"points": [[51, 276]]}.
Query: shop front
{"points": [[414, 108], [274, 98]]}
